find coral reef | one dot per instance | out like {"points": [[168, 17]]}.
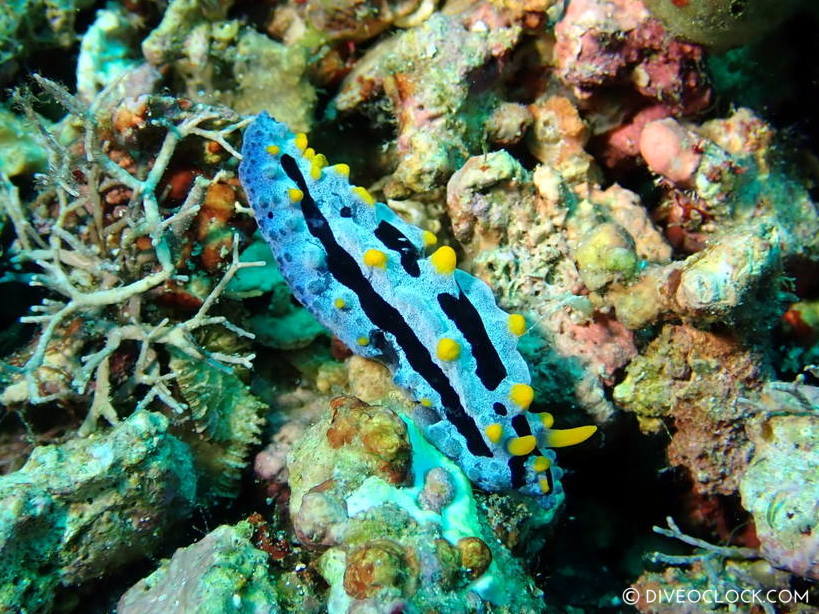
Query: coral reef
{"points": [[781, 489], [84, 508], [219, 61], [396, 539], [19, 152], [223, 572], [630, 198], [27, 26], [702, 382], [107, 51], [605, 43], [722, 23], [107, 248], [440, 80]]}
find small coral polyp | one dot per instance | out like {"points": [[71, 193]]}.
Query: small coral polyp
{"points": [[365, 274]]}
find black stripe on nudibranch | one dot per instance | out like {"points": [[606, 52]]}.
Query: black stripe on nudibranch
{"points": [[344, 268], [490, 368], [517, 464], [394, 239], [517, 470], [521, 425], [499, 408]]}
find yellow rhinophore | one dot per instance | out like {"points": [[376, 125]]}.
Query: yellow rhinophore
{"points": [[560, 438], [516, 324], [448, 349], [375, 258], [522, 395], [295, 195], [444, 260], [363, 194], [494, 432], [521, 446]]}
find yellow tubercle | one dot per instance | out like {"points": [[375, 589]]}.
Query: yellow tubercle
{"points": [[375, 258], [339, 303], [444, 260], [315, 170], [522, 395], [541, 464], [300, 141], [342, 169], [560, 438], [448, 349], [362, 341], [494, 432], [516, 324], [320, 160], [521, 446], [429, 238], [547, 419], [309, 153], [364, 195], [426, 402], [295, 195], [272, 149], [544, 485]]}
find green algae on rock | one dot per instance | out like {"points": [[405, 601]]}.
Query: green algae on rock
{"points": [[722, 23], [223, 572], [30, 25], [79, 510], [20, 152], [220, 61], [781, 489], [221, 422]]}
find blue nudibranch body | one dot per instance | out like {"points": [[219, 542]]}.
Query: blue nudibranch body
{"points": [[375, 281]]}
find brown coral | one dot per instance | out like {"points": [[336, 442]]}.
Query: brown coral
{"points": [[381, 435], [379, 564], [698, 379]]}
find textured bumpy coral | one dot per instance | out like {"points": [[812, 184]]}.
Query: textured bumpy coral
{"points": [[365, 275]]}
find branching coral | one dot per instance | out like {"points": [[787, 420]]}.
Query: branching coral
{"points": [[107, 244]]}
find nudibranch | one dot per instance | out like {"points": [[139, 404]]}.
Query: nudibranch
{"points": [[385, 288]]}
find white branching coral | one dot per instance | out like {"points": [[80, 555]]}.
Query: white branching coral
{"points": [[103, 263]]}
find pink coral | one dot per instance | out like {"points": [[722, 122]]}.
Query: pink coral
{"points": [[621, 145], [601, 43], [670, 150]]}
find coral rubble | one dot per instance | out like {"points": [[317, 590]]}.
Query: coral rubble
{"points": [[84, 508]]}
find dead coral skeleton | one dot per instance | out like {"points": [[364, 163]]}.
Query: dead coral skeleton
{"points": [[713, 560], [88, 260]]}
